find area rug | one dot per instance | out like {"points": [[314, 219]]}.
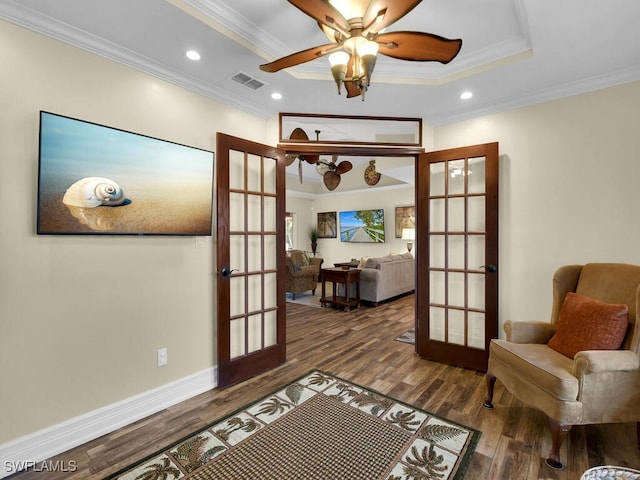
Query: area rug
{"points": [[319, 427], [407, 337], [306, 299]]}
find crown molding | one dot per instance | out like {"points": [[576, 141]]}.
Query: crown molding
{"points": [[20, 15]]}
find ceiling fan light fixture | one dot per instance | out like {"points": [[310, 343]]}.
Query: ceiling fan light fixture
{"points": [[339, 61], [351, 8]]}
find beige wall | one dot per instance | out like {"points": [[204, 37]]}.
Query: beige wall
{"points": [[81, 317], [569, 173]]}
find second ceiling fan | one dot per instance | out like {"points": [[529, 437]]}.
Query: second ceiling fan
{"points": [[355, 28]]}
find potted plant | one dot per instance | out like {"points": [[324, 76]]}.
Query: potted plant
{"points": [[313, 236]]}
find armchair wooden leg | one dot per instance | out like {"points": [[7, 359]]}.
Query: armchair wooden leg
{"points": [[293, 296], [558, 434], [491, 382]]}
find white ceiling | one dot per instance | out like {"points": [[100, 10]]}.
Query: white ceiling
{"points": [[514, 53]]}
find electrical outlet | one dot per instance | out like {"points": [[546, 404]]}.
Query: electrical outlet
{"points": [[163, 357], [199, 242]]}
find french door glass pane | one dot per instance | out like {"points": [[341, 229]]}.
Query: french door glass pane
{"points": [[270, 250], [456, 215], [254, 173], [456, 327], [236, 170], [270, 214], [476, 175], [436, 215], [236, 212], [237, 336], [436, 251], [269, 178], [476, 214], [236, 252], [436, 324], [236, 297], [254, 250], [270, 328], [476, 244], [456, 289], [436, 287], [254, 212], [476, 330], [254, 291], [255, 333], [457, 258], [476, 282], [456, 177], [270, 290], [436, 183]]}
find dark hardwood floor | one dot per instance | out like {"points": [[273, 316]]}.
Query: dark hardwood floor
{"points": [[359, 346]]}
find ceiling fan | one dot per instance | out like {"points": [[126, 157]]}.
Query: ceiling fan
{"points": [[300, 134], [332, 170], [355, 28]]}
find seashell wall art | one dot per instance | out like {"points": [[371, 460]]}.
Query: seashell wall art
{"points": [[92, 192]]}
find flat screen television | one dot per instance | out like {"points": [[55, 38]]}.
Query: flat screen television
{"points": [[94, 179], [362, 226]]}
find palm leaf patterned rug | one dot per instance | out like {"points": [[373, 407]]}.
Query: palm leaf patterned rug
{"points": [[319, 427]]}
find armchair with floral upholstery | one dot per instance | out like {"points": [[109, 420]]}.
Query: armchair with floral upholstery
{"points": [[303, 272], [583, 366]]}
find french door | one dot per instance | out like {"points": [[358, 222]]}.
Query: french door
{"points": [[457, 255], [250, 248]]}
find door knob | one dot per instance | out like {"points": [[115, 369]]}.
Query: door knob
{"points": [[226, 272], [489, 268]]}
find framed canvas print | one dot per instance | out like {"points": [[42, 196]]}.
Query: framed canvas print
{"points": [[327, 225], [405, 218], [94, 179], [362, 226]]}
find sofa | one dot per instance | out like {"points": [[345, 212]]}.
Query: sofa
{"points": [[302, 272], [382, 278]]}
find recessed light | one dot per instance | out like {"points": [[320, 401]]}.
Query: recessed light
{"points": [[276, 96], [466, 95], [193, 55]]}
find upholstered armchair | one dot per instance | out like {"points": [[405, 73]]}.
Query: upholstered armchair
{"points": [[582, 367], [302, 272]]}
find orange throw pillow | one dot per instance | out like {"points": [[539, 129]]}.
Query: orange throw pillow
{"points": [[588, 324]]}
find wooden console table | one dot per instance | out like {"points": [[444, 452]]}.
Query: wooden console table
{"points": [[345, 276]]}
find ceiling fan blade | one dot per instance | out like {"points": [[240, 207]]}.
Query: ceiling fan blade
{"points": [[382, 13], [418, 46], [323, 12], [311, 158], [343, 167], [289, 159], [300, 170], [299, 57], [298, 134], [331, 180]]}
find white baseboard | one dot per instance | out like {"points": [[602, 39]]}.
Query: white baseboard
{"points": [[25, 451]]}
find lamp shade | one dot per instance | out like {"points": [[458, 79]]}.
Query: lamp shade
{"points": [[408, 234]]}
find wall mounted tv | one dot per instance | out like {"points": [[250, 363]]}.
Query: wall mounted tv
{"points": [[362, 226], [95, 179]]}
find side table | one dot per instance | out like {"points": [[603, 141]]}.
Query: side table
{"points": [[347, 264], [346, 276]]}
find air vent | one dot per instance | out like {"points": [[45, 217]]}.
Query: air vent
{"points": [[247, 80]]}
